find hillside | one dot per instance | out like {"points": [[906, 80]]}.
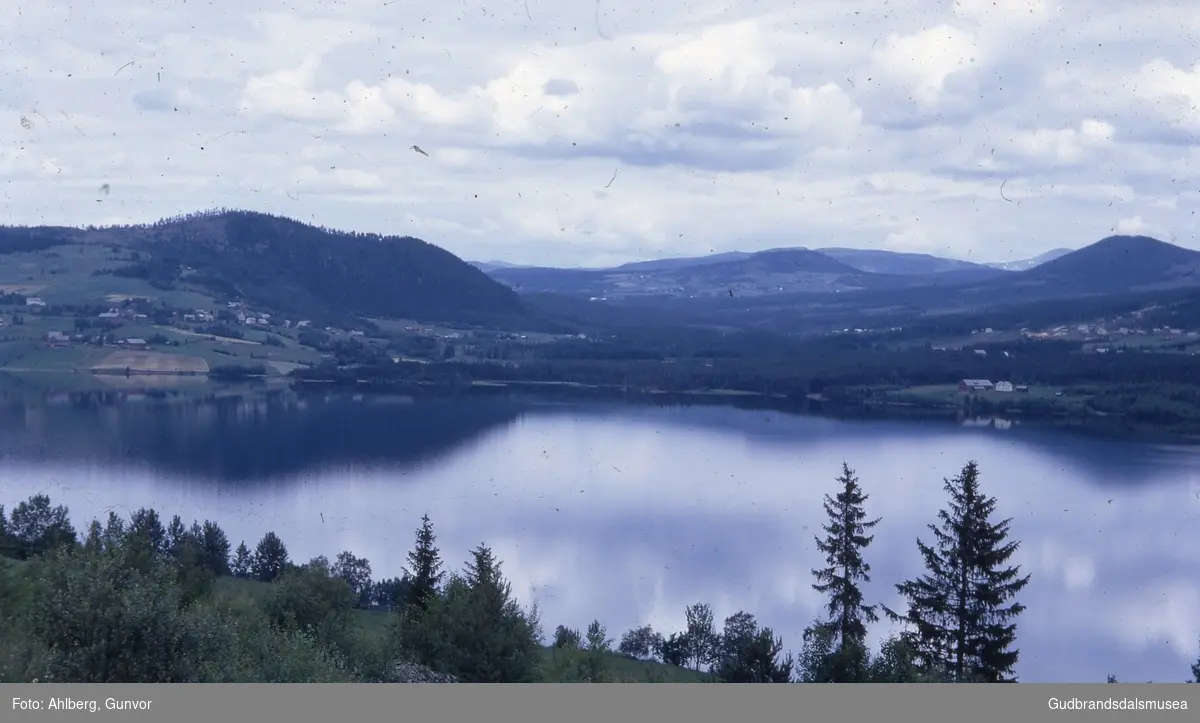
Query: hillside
{"points": [[682, 262], [1118, 263], [894, 262], [1128, 270], [763, 273], [285, 265], [1026, 264]]}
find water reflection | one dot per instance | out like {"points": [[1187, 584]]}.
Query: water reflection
{"points": [[629, 514]]}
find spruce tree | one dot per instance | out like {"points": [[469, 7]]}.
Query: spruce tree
{"points": [[242, 560], [845, 540], [961, 612], [425, 566]]}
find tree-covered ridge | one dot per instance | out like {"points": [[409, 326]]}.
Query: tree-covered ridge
{"points": [[283, 264], [137, 600]]}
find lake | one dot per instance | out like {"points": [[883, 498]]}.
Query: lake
{"points": [[629, 513]]}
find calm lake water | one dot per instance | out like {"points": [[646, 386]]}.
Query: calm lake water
{"points": [[628, 513]]}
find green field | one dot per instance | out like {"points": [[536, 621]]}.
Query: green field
{"points": [[948, 395], [66, 275]]}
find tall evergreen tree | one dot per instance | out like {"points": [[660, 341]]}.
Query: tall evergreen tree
{"points": [[216, 547], [845, 540], [425, 565], [962, 612], [242, 560]]}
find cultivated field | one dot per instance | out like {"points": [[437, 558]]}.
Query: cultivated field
{"points": [[23, 289], [222, 339], [151, 361], [153, 381]]}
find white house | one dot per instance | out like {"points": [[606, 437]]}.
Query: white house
{"points": [[1004, 386]]}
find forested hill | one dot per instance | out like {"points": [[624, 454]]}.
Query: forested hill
{"points": [[284, 264]]}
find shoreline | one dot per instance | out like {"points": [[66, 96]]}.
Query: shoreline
{"points": [[878, 404], [1109, 426]]}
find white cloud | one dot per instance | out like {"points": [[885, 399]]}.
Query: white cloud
{"points": [[728, 126], [926, 59]]}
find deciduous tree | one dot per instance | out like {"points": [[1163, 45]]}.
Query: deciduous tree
{"points": [[270, 558]]}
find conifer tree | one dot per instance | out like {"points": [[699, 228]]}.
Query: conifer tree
{"points": [[845, 540], [242, 560], [961, 611], [425, 566]]}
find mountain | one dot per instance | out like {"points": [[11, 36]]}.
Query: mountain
{"points": [[486, 266], [1119, 273], [1026, 264], [683, 262], [895, 262], [1115, 264], [284, 265], [736, 273]]}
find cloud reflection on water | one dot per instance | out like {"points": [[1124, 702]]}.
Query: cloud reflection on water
{"points": [[628, 515]]}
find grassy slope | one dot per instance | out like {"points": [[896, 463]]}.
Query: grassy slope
{"points": [[622, 669]]}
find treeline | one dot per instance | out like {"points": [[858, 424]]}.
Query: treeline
{"points": [[137, 600], [824, 366]]}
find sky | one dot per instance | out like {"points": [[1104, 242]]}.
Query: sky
{"points": [[585, 133]]}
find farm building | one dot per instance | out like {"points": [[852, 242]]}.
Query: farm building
{"points": [[975, 385]]}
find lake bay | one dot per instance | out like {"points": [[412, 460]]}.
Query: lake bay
{"points": [[629, 513]]}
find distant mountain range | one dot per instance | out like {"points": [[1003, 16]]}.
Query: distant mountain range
{"points": [[870, 260], [793, 289], [281, 264], [738, 273]]}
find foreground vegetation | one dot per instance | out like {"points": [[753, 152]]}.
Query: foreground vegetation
{"points": [[139, 601]]}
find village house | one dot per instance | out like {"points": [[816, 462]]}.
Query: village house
{"points": [[34, 301], [57, 338], [1004, 386], [975, 385], [135, 344]]}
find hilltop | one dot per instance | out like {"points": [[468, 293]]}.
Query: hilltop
{"points": [[895, 262], [775, 271], [770, 273], [277, 263], [1120, 263]]}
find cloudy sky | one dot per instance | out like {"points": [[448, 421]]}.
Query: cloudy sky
{"points": [[573, 132]]}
